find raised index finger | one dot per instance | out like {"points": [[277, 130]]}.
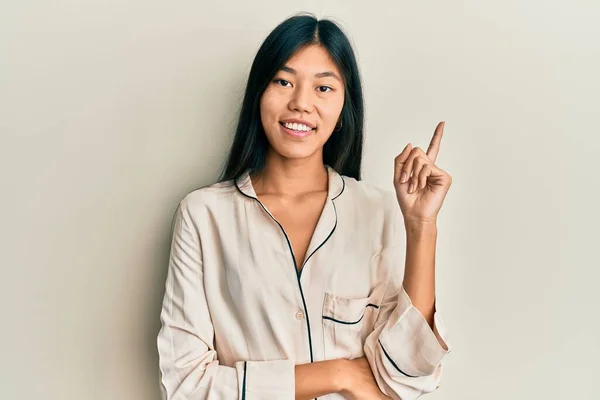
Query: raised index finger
{"points": [[434, 145]]}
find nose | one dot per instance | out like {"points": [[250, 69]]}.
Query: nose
{"points": [[301, 99]]}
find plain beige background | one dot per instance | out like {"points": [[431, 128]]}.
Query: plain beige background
{"points": [[111, 111]]}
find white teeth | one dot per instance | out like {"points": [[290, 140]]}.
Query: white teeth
{"points": [[297, 127]]}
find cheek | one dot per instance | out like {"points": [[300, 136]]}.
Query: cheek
{"points": [[333, 110], [268, 106]]}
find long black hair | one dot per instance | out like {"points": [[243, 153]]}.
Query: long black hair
{"points": [[343, 149]]}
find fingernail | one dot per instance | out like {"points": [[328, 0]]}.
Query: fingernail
{"points": [[403, 177], [410, 189]]}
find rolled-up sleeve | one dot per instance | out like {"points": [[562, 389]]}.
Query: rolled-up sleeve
{"points": [[404, 352], [189, 367]]}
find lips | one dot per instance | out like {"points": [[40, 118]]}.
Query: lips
{"points": [[297, 134], [282, 123], [298, 121]]}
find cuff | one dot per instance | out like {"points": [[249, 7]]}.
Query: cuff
{"points": [[408, 344], [266, 380]]}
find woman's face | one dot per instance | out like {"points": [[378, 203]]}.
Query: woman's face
{"points": [[302, 104]]}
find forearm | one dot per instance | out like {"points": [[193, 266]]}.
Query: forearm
{"points": [[318, 379], [419, 271]]}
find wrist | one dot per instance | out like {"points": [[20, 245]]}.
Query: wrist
{"points": [[410, 220], [420, 227]]}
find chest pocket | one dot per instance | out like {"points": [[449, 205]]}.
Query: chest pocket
{"points": [[348, 321]]}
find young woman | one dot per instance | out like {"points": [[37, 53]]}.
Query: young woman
{"points": [[291, 278]]}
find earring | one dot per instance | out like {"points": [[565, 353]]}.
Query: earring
{"points": [[336, 127]]}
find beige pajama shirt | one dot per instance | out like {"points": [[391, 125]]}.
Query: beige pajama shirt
{"points": [[237, 316]]}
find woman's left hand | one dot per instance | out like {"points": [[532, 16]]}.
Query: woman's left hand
{"points": [[429, 183]]}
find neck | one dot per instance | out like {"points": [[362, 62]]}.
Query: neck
{"points": [[291, 177]]}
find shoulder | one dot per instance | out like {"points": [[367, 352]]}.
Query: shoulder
{"points": [[373, 211], [368, 196], [207, 197]]}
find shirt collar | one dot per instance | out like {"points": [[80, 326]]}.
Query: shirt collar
{"points": [[335, 187]]}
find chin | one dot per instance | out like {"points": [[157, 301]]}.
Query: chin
{"points": [[294, 150], [297, 155]]}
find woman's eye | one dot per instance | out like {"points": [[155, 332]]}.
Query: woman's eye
{"points": [[280, 81], [283, 82]]}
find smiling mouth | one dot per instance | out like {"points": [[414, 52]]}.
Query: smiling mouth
{"points": [[296, 133], [293, 130]]}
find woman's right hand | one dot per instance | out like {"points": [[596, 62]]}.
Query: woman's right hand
{"points": [[358, 381]]}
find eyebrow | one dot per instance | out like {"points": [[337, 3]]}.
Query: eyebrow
{"points": [[318, 75]]}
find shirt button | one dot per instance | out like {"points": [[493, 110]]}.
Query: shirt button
{"points": [[299, 315]]}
